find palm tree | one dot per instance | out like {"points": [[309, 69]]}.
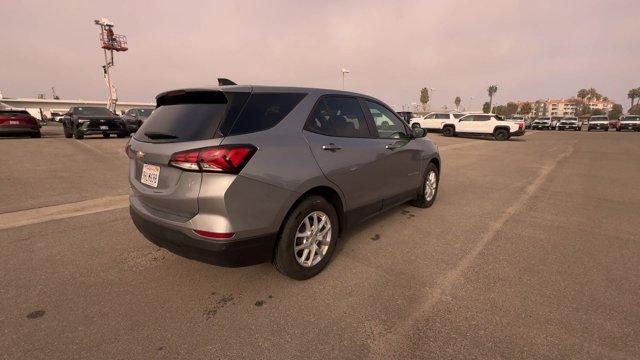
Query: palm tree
{"points": [[491, 91], [632, 94], [457, 101]]}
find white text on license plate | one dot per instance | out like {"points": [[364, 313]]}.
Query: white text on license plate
{"points": [[104, 127], [14, 122], [150, 175]]}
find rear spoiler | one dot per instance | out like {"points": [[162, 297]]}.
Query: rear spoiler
{"points": [[225, 82]]}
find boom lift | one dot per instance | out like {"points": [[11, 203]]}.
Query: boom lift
{"points": [[110, 42]]}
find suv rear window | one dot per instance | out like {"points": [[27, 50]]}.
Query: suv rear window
{"points": [[263, 111], [190, 116]]}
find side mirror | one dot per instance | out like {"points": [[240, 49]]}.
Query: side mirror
{"points": [[418, 132]]}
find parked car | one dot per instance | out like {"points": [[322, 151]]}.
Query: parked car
{"points": [[56, 116], [80, 121], [484, 124], [629, 122], [435, 120], [19, 122], [554, 121], [598, 122], [569, 123], [542, 123], [249, 174], [134, 118], [405, 115]]}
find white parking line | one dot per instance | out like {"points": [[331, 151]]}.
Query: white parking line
{"points": [[57, 212]]}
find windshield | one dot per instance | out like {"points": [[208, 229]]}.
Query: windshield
{"points": [[599, 118], [630, 118], [542, 120], [92, 111], [145, 112], [570, 119]]}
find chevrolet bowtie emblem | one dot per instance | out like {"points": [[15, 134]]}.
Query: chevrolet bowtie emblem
{"points": [[139, 154]]}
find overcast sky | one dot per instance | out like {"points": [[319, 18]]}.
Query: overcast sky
{"points": [[530, 49]]}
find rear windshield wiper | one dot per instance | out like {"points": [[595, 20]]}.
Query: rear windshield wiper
{"points": [[159, 136]]}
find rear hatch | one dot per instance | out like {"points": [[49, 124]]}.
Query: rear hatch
{"points": [[17, 119], [184, 120]]}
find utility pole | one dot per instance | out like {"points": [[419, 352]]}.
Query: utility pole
{"points": [[344, 71]]}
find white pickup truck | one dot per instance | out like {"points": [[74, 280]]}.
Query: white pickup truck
{"points": [[434, 120], [628, 122], [484, 124]]}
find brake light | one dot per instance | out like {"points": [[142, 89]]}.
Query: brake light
{"points": [[229, 159]]}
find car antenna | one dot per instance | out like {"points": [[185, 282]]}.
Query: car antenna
{"points": [[225, 82]]}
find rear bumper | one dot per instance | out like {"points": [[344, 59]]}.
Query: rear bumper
{"points": [[540, 127], [8, 130], [184, 242], [598, 126]]}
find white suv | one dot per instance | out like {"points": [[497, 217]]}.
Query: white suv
{"points": [[484, 124], [434, 121]]}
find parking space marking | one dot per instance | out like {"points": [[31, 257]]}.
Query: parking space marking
{"points": [[57, 212], [472, 143], [384, 347]]}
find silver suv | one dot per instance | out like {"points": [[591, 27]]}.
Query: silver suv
{"points": [[254, 174]]}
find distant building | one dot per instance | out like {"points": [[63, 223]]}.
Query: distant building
{"points": [[563, 107]]}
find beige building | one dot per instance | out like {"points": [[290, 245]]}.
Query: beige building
{"points": [[564, 107]]}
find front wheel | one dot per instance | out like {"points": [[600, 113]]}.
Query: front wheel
{"points": [[429, 190], [308, 239], [78, 134], [501, 135], [67, 134]]}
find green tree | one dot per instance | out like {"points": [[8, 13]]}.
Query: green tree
{"points": [[486, 107], [511, 108], [615, 112], [583, 94], [457, 101], [598, 112], [635, 110], [491, 90], [424, 98], [500, 110], [525, 109]]}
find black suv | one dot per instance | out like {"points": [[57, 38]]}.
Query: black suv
{"points": [[134, 118], [84, 120]]}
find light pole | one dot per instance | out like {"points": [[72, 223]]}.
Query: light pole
{"points": [[344, 71]]}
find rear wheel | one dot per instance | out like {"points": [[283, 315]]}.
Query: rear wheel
{"points": [[448, 131], [105, 135], [67, 132], [36, 135], [427, 194], [501, 134], [308, 239]]}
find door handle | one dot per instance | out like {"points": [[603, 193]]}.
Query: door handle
{"points": [[392, 146], [331, 147]]}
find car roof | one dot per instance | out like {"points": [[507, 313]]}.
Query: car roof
{"points": [[268, 89]]}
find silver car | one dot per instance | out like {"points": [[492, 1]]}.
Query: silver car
{"points": [[246, 174]]}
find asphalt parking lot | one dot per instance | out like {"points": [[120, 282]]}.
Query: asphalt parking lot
{"points": [[530, 251]]}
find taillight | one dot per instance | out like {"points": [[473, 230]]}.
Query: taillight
{"points": [[229, 159]]}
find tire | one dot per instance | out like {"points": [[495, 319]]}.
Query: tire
{"points": [[37, 135], [79, 135], [67, 133], [286, 259], [606, 129], [588, 129], [425, 200], [448, 131], [106, 136], [501, 135]]}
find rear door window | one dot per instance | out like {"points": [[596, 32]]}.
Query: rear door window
{"points": [[264, 110], [320, 120], [346, 117], [442, 116]]}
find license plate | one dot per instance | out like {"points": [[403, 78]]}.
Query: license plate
{"points": [[150, 175], [14, 122], [104, 127]]}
